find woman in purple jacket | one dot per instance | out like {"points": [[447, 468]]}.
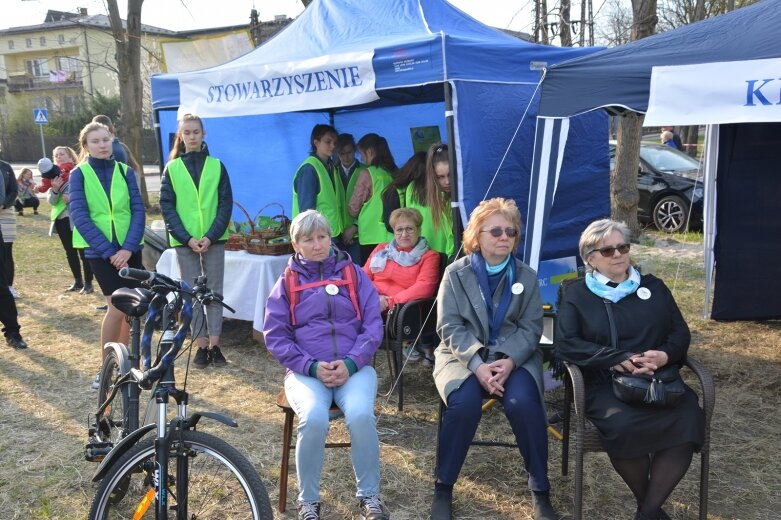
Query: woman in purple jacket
{"points": [[323, 324]]}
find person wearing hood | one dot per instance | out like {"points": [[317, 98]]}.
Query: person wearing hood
{"points": [[323, 325], [196, 201]]}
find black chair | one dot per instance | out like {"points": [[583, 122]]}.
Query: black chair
{"points": [[407, 322]]}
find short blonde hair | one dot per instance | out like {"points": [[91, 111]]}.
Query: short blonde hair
{"points": [[411, 214], [485, 210], [307, 223], [595, 233], [666, 136]]}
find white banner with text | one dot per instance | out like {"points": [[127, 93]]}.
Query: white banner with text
{"points": [[335, 80]]}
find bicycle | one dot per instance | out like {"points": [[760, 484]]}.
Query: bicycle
{"points": [[179, 471]]}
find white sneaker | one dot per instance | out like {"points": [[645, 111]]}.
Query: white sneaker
{"points": [[13, 292], [96, 382], [412, 354]]}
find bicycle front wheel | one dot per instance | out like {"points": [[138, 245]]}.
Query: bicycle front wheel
{"points": [[222, 483]]}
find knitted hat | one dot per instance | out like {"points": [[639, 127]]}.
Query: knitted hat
{"points": [[48, 169]]}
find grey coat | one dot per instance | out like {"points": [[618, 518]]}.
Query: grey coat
{"points": [[462, 323]]}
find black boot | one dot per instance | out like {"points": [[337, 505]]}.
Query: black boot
{"points": [[543, 510], [76, 286], [442, 505]]}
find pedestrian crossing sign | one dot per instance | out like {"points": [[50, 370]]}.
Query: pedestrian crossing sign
{"points": [[40, 116]]}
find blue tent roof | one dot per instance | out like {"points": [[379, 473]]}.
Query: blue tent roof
{"points": [[438, 42], [620, 77]]}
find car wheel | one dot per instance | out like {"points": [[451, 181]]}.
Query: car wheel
{"points": [[670, 214]]}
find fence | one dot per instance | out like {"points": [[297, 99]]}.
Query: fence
{"points": [[28, 148]]}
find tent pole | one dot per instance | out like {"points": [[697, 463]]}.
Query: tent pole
{"points": [[709, 209], [159, 137], [455, 204]]}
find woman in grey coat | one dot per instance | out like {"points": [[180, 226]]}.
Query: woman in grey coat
{"points": [[490, 351]]}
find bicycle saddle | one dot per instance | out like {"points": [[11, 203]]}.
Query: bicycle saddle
{"points": [[133, 302]]}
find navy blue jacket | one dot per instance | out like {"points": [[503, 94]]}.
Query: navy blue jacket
{"points": [[99, 246]]}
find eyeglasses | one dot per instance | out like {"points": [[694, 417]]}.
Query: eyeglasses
{"points": [[497, 231], [403, 230], [611, 250]]}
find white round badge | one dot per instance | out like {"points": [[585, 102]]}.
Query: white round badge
{"points": [[517, 288], [643, 293], [331, 289]]}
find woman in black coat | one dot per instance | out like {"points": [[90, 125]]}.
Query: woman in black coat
{"points": [[650, 448]]}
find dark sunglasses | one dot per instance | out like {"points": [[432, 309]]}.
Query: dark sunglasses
{"points": [[497, 231], [611, 250]]}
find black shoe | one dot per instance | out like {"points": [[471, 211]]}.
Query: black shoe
{"points": [[87, 289], [543, 510], [216, 356], [442, 505], [201, 358], [372, 508], [76, 286], [309, 511], [101, 308], [16, 342]]}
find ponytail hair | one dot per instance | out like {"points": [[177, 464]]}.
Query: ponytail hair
{"points": [[382, 154]]}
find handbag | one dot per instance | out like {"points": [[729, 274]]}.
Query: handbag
{"points": [[663, 389]]}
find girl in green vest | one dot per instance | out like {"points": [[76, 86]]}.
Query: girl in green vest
{"points": [[196, 201], [108, 217], [366, 201], [317, 184], [437, 215], [412, 173]]}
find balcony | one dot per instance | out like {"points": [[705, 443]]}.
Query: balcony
{"points": [[27, 83]]}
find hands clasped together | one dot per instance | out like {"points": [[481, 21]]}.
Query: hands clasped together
{"points": [[199, 246], [332, 374], [492, 376], [643, 363]]}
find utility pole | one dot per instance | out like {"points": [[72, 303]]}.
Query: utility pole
{"points": [[590, 24], [566, 29], [582, 23], [544, 21], [536, 21], [730, 5]]}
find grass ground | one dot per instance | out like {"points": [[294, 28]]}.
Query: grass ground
{"points": [[45, 401]]}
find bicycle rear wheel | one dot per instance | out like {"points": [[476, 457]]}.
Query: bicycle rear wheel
{"points": [[222, 483], [113, 423]]}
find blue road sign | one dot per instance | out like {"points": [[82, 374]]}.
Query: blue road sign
{"points": [[40, 116]]}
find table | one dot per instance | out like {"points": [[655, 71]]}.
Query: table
{"points": [[248, 281]]}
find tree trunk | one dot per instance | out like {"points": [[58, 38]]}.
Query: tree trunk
{"points": [[566, 33], [624, 196], [131, 90], [623, 180]]}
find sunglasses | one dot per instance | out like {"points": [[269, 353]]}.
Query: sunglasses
{"points": [[611, 250], [497, 231]]}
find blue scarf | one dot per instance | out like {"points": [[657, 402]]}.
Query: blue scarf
{"points": [[495, 319], [597, 283]]}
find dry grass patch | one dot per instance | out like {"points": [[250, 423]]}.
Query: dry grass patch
{"points": [[45, 399]]}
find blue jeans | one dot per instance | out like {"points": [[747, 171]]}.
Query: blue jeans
{"points": [[524, 410], [311, 399]]}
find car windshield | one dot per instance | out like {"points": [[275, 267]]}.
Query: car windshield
{"points": [[666, 159]]}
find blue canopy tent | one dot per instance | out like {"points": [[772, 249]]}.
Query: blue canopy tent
{"points": [[713, 72], [388, 66]]}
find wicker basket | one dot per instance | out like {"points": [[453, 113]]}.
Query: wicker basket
{"points": [[257, 242], [259, 246]]}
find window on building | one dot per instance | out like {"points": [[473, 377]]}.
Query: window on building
{"points": [[71, 104], [61, 38], [44, 102], [10, 44], [43, 41], [38, 67], [69, 67], [29, 42]]}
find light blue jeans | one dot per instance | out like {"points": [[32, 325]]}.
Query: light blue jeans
{"points": [[311, 399]]}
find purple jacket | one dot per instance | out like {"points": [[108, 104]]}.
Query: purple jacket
{"points": [[327, 327]]}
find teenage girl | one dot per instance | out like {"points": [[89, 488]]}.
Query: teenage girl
{"points": [[196, 201], [58, 197], [317, 184], [27, 197], [413, 173], [366, 201], [435, 208], [108, 217]]}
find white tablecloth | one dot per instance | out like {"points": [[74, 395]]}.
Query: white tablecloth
{"points": [[248, 281]]}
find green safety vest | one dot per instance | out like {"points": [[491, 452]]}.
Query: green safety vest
{"points": [[371, 227], [58, 207], [196, 206], [112, 218], [440, 239], [330, 199]]}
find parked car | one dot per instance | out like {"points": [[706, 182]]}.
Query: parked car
{"points": [[670, 187]]}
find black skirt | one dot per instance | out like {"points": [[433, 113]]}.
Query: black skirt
{"points": [[631, 431]]}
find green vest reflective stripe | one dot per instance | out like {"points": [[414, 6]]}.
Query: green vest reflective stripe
{"points": [[349, 220], [330, 199], [196, 206], [371, 227], [112, 219], [57, 208], [439, 239]]}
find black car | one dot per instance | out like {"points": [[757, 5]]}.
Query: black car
{"points": [[670, 187]]}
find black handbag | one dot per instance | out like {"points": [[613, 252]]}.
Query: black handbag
{"points": [[663, 389]]}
